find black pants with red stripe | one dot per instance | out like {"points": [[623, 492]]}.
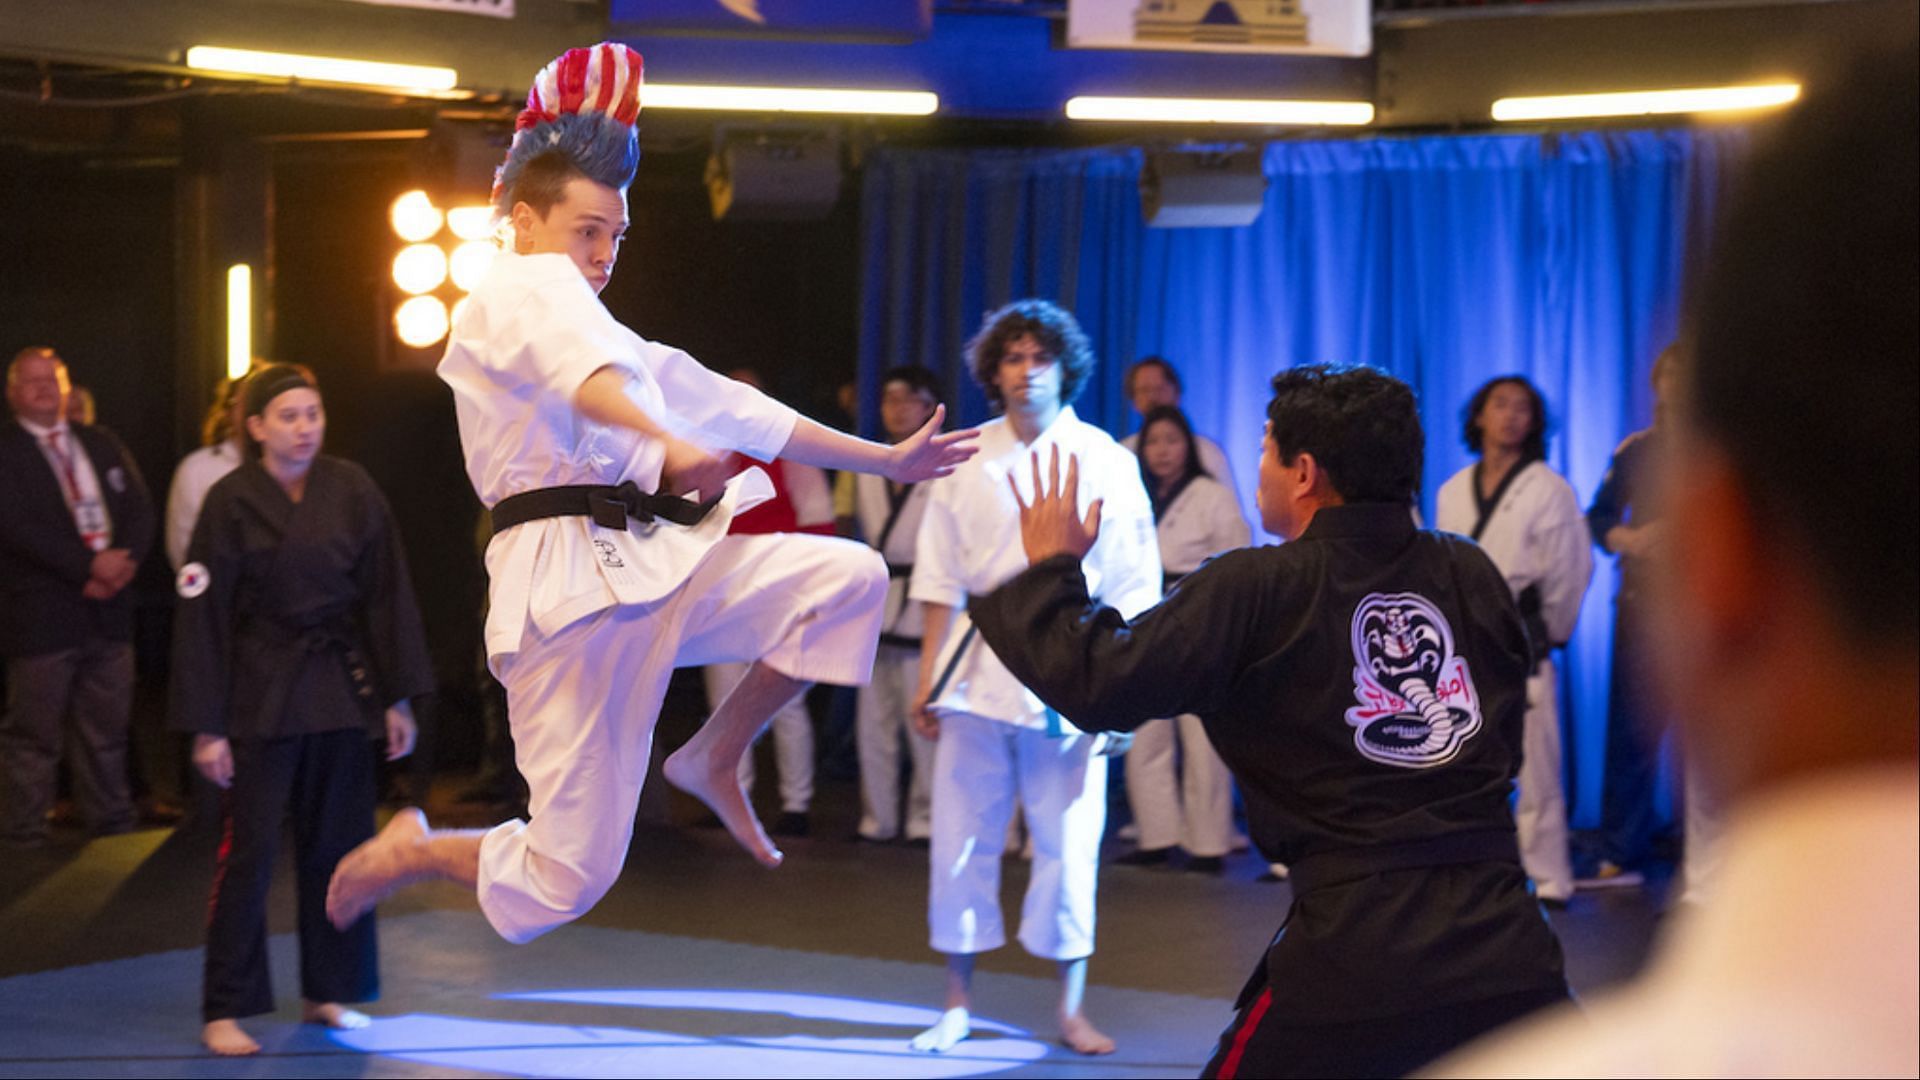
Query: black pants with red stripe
{"points": [[325, 783], [1261, 1044]]}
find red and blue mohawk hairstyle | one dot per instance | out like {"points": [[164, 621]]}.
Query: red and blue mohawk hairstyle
{"points": [[585, 105]]}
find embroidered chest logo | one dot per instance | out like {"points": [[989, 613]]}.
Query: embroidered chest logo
{"points": [[192, 580], [1416, 703], [609, 555]]}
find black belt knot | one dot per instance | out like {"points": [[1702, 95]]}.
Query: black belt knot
{"points": [[610, 506]]}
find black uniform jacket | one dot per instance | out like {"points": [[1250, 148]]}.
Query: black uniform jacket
{"points": [[1366, 683], [43, 562], [294, 618]]}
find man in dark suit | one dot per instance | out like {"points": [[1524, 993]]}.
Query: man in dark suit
{"points": [[75, 521]]}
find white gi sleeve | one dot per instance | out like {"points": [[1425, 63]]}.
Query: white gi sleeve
{"points": [[1226, 528], [724, 410], [937, 567], [569, 335], [1566, 561], [1127, 555]]}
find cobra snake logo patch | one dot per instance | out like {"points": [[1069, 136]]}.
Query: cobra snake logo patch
{"points": [[1416, 703]]}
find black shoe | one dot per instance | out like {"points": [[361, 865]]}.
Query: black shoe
{"points": [[791, 824], [1207, 864], [1145, 857]]}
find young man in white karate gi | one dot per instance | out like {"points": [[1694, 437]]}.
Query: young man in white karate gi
{"points": [[576, 431], [888, 516], [996, 742], [1527, 519]]}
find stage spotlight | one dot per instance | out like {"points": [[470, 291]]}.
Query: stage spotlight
{"points": [[1202, 188], [414, 217], [471, 222], [420, 268], [459, 309], [780, 175], [421, 321], [470, 261]]}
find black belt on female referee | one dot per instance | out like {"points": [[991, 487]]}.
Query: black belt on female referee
{"points": [[608, 506]]}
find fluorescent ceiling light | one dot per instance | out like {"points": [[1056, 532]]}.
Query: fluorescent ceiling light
{"points": [[329, 69], [1219, 110], [1646, 102], [797, 99], [239, 320]]}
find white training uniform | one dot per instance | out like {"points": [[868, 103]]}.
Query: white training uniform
{"points": [[192, 479], [1193, 805], [882, 718], [995, 745], [1537, 536], [586, 623], [792, 724]]}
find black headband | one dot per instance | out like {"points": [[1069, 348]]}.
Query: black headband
{"points": [[269, 383]]}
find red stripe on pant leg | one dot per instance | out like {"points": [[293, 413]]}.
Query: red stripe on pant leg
{"points": [[225, 852], [1230, 1068]]}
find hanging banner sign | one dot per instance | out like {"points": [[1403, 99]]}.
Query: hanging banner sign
{"points": [[499, 9], [817, 20], [1322, 27]]}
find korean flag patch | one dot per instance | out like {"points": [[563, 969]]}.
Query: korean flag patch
{"points": [[192, 580]]}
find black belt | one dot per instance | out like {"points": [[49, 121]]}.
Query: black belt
{"points": [[609, 507], [895, 570], [1337, 867]]}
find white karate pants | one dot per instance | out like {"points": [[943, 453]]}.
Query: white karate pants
{"points": [[980, 768], [1191, 806], [792, 738], [1540, 809], [881, 725], [582, 704]]}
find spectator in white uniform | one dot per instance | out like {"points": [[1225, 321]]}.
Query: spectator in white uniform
{"points": [[1528, 520], [222, 446], [1152, 382], [997, 742], [1180, 791], [887, 516], [1783, 622]]}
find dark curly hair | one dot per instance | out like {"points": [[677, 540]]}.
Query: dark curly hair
{"points": [[1050, 325], [1361, 425], [1535, 446]]}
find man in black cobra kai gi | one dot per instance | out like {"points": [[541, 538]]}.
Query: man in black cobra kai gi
{"points": [[1366, 684]]}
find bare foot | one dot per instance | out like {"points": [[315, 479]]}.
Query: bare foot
{"points": [[333, 1015], [717, 784], [376, 868], [225, 1038], [953, 1028], [1081, 1037]]}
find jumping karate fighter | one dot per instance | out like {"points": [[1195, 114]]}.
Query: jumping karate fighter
{"points": [[1528, 521], [580, 436], [997, 742], [1366, 683]]}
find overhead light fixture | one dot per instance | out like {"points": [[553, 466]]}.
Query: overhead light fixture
{"points": [[328, 69], [1158, 110], [1646, 102], [239, 320], [790, 99]]}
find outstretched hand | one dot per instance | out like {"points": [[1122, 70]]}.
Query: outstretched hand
{"points": [[928, 454], [1051, 525]]}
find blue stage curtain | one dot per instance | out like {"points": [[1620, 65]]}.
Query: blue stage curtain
{"points": [[1445, 260]]}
